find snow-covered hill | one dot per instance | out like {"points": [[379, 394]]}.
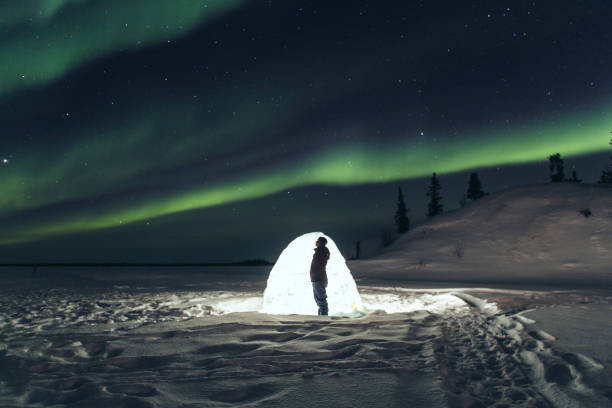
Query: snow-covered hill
{"points": [[540, 233]]}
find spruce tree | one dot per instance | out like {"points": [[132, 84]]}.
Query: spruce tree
{"points": [[555, 166], [606, 175], [401, 218], [435, 206], [474, 191]]}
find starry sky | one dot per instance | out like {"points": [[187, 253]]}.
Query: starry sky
{"points": [[219, 130]]}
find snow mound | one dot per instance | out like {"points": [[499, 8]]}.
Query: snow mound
{"points": [[533, 234], [289, 290]]}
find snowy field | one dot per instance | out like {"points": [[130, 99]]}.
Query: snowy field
{"points": [[184, 338]]}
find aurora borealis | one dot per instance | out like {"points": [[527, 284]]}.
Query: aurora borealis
{"points": [[216, 130]]}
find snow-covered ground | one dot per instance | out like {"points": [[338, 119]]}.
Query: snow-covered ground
{"points": [[504, 303], [537, 234], [187, 339]]}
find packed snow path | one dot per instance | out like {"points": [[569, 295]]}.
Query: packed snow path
{"points": [[166, 349]]}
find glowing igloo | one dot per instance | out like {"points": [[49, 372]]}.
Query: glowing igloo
{"points": [[289, 290]]}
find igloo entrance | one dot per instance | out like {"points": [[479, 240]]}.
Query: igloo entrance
{"points": [[289, 290]]}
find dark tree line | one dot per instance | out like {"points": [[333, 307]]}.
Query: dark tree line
{"points": [[555, 167], [401, 215], [557, 172], [606, 174], [475, 188], [435, 206], [475, 192], [402, 222]]}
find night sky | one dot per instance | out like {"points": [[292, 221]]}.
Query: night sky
{"points": [[219, 130]]}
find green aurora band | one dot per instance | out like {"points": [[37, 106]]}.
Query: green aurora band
{"points": [[353, 163], [45, 39], [134, 144]]}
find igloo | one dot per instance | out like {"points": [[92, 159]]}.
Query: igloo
{"points": [[289, 290]]}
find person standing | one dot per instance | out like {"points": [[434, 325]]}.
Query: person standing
{"points": [[318, 275]]}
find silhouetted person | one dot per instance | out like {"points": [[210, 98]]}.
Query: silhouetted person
{"points": [[318, 275]]}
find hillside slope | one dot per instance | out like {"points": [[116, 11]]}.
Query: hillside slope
{"points": [[527, 234]]}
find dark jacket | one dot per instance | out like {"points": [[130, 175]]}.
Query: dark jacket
{"points": [[319, 261]]}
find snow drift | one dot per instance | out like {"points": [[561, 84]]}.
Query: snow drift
{"points": [[550, 233]]}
